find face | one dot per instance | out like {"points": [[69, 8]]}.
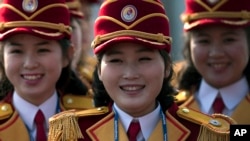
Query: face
{"points": [[133, 77], [77, 42], [33, 65], [220, 54]]}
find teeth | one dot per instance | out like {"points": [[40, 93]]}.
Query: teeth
{"points": [[131, 88], [31, 77], [218, 66]]}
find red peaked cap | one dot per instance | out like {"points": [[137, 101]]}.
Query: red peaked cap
{"points": [[48, 19], [74, 8], [140, 21], [198, 13]]}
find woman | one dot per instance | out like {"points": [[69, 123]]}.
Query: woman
{"points": [[131, 83], [35, 67]]}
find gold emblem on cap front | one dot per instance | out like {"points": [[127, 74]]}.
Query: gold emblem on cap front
{"points": [[129, 13], [30, 5]]}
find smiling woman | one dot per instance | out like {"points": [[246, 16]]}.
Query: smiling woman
{"points": [[35, 56], [132, 83]]}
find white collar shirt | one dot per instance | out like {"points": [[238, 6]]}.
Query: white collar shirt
{"points": [[147, 122], [231, 95], [27, 111]]}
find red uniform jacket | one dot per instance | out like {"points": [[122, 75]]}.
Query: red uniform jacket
{"points": [[12, 127], [98, 125]]}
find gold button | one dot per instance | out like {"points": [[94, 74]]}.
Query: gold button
{"points": [[69, 101], [4, 108], [185, 110]]}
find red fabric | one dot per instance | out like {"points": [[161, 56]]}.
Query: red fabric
{"points": [[39, 121], [133, 130], [218, 105]]}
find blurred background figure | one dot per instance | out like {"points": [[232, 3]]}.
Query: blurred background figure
{"points": [[215, 75], [85, 61]]}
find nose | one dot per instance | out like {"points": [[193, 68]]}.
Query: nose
{"points": [[131, 72], [30, 62], [217, 50]]}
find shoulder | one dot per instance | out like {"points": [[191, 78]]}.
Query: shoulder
{"points": [[65, 124], [211, 127], [72, 101]]}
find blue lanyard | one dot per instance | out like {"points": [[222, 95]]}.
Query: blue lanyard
{"points": [[116, 118]]}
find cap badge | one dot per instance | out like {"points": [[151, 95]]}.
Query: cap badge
{"points": [[129, 13], [30, 5]]}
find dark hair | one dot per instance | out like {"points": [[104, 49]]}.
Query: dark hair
{"points": [[189, 76], [165, 97], [67, 83]]}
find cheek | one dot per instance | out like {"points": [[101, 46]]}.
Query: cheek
{"points": [[198, 53]]}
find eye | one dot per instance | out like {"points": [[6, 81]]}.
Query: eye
{"points": [[43, 50], [203, 41], [229, 40], [115, 60], [15, 51], [145, 59]]}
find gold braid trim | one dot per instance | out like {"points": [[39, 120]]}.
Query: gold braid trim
{"points": [[211, 133], [219, 14], [64, 126], [74, 4], [159, 38], [60, 26]]}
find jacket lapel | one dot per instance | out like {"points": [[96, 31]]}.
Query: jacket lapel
{"points": [[241, 114], [14, 125], [98, 131], [176, 131]]}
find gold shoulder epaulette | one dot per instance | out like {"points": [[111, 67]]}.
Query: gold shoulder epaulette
{"points": [[5, 110], [213, 127], [71, 101], [64, 126], [181, 97]]}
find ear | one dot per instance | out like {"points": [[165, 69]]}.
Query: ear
{"points": [[70, 53]]}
